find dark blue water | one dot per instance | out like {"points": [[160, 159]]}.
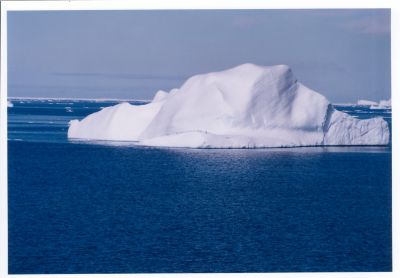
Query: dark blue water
{"points": [[94, 208]]}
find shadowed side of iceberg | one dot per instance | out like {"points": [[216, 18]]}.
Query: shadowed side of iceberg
{"points": [[342, 129]]}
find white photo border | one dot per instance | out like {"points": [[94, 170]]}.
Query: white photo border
{"points": [[394, 5]]}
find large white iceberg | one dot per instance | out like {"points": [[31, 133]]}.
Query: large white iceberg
{"points": [[248, 106]]}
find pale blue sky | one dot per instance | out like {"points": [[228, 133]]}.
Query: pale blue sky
{"points": [[343, 54]]}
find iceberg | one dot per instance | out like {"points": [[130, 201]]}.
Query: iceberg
{"points": [[383, 104], [248, 106], [363, 102], [9, 104]]}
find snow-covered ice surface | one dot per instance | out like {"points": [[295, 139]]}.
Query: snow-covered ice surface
{"points": [[121, 122], [248, 106]]}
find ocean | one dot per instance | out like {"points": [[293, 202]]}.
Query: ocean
{"points": [[113, 207]]}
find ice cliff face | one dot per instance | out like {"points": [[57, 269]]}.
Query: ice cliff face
{"points": [[246, 106]]}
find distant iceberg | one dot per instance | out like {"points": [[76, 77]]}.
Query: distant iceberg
{"points": [[364, 102], [383, 104], [9, 104], [248, 106]]}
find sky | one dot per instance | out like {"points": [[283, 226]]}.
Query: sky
{"points": [[342, 54]]}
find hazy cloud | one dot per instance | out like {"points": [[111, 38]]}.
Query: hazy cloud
{"points": [[373, 24], [121, 75], [318, 66]]}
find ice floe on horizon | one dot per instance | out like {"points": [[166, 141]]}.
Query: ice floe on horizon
{"points": [[382, 104]]}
